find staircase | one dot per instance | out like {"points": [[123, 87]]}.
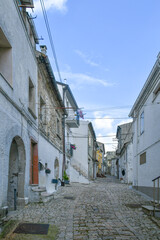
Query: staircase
{"points": [[39, 194], [154, 210], [78, 174], [156, 197]]}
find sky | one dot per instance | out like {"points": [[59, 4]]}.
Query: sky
{"points": [[105, 50]]}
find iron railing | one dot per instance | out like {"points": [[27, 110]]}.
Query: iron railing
{"points": [[156, 197]]}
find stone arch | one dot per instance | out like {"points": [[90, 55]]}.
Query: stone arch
{"points": [[16, 173], [56, 168]]}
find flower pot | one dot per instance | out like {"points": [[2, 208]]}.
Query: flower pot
{"points": [[66, 181], [47, 171], [62, 183], [55, 181]]}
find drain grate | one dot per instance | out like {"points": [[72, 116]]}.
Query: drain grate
{"points": [[32, 228], [69, 197], [133, 205]]}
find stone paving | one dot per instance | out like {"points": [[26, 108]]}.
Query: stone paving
{"points": [[93, 212]]}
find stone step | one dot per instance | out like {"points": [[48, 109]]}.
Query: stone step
{"points": [[156, 202], [38, 189], [149, 210], [46, 197]]}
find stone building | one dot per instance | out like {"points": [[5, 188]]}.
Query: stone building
{"points": [[100, 152], [111, 162], [51, 113], [92, 146], [18, 108], [125, 152]]}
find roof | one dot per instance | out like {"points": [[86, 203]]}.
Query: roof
{"points": [[124, 136], [125, 131], [44, 59], [92, 129], [34, 31], [146, 90], [69, 95], [101, 145]]}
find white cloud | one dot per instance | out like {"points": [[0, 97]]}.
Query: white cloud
{"points": [[102, 122], [86, 59], [51, 4], [81, 80], [109, 142], [105, 125]]}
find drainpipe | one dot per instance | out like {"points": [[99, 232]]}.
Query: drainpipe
{"points": [[63, 133], [64, 152], [94, 156]]}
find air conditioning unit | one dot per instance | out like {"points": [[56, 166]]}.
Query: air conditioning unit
{"points": [[27, 2]]}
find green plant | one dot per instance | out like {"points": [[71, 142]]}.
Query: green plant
{"points": [[65, 176]]}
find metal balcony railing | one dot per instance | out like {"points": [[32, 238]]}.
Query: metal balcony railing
{"points": [[156, 192], [73, 121]]}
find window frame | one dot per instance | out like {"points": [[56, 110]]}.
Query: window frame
{"points": [[142, 123]]}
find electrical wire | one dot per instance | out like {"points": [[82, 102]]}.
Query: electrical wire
{"points": [[50, 37]]}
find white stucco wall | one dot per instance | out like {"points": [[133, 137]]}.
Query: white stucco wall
{"points": [[47, 154], [113, 168], [12, 122], [77, 177], [80, 155], [126, 164], [148, 141]]}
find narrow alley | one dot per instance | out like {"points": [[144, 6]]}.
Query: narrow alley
{"points": [[104, 209]]}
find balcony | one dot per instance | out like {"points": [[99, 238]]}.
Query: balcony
{"points": [[73, 121], [27, 2]]}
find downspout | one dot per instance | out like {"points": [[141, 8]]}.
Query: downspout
{"points": [[63, 133], [94, 156]]}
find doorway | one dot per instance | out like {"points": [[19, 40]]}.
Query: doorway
{"points": [[16, 176]]}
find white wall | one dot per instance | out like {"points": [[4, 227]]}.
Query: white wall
{"points": [[148, 142], [12, 121], [80, 155], [47, 153], [126, 163]]}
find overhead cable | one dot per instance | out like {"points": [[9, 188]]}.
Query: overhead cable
{"points": [[50, 37]]}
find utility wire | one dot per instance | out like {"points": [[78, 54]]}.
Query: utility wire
{"points": [[50, 37]]}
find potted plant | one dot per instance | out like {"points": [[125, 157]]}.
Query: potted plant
{"points": [[47, 171], [65, 178]]}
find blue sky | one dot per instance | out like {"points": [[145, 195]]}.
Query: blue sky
{"points": [[106, 50]]}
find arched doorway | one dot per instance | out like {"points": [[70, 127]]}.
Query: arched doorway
{"points": [[56, 169], [16, 176]]}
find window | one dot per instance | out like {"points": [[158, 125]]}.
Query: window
{"points": [[67, 103], [32, 98], [58, 126], [42, 115], [5, 58], [142, 123], [156, 91], [143, 158]]}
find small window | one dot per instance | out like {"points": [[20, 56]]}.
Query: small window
{"points": [[42, 111], [156, 91], [142, 123], [58, 126], [31, 98], [143, 158], [67, 103], [5, 58]]}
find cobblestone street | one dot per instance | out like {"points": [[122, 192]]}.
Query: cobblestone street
{"points": [[95, 211]]}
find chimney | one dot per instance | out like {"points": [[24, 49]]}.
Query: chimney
{"points": [[43, 49]]}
